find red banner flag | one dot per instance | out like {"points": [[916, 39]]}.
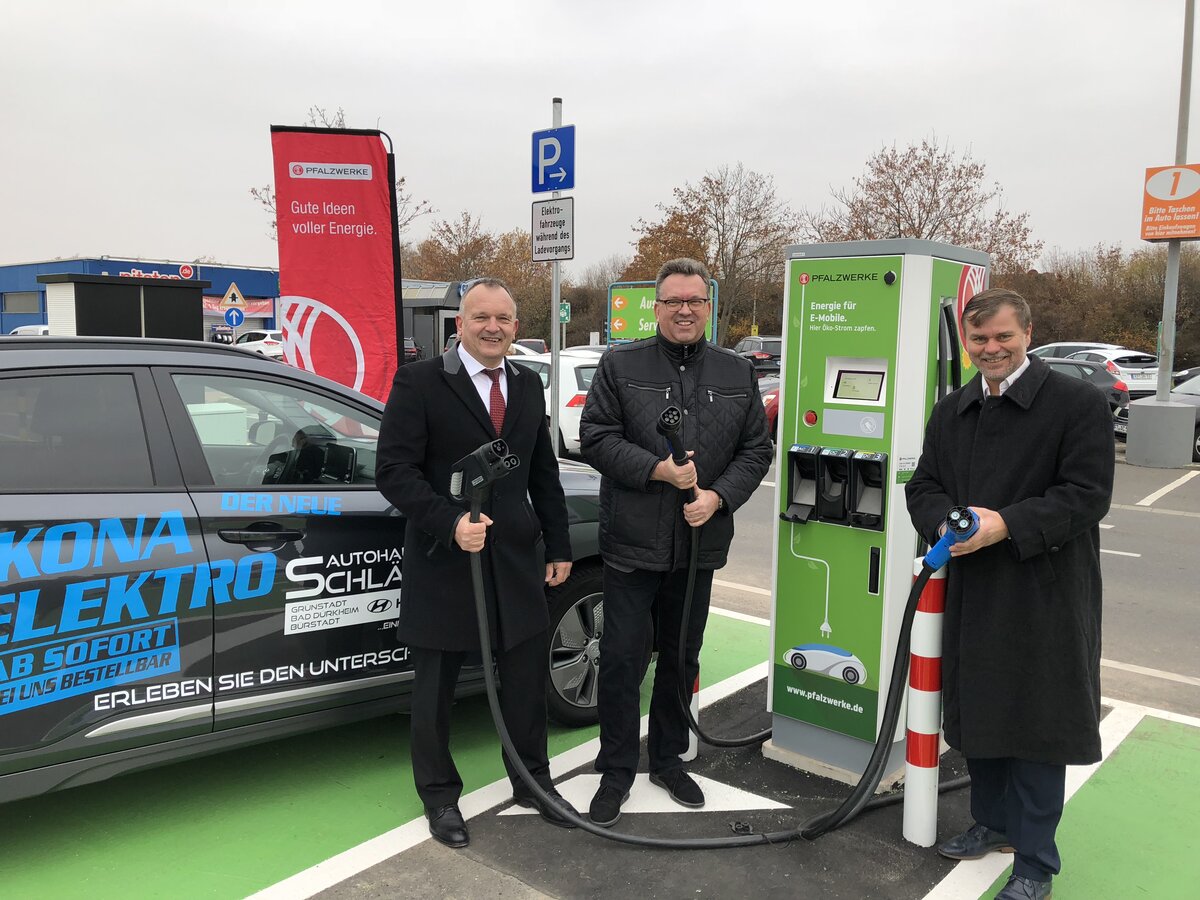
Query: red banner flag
{"points": [[337, 277]]}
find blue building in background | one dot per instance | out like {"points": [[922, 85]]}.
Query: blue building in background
{"points": [[23, 297]]}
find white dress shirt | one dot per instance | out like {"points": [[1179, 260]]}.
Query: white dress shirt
{"points": [[482, 380]]}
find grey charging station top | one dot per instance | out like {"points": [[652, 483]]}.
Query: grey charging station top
{"points": [[889, 247]]}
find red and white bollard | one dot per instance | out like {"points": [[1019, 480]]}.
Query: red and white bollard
{"points": [[924, 712], [693, 749]]}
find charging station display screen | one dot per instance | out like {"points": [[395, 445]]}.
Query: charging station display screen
{"points": [[858, 385]]}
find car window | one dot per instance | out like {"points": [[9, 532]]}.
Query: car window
{"points": [[583, 376], [541, 368], [1088, 371], [742, 346], [775, 348], [262, 432], [247, 337], [1136, 361], [72, 432], [1066, 369]]}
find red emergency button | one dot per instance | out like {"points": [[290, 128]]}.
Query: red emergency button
{"points": [[810, 418]]}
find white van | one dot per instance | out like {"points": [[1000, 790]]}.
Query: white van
{"points": [[31, 329]]}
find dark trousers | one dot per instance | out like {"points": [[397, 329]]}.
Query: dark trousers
{"points": [[628, 597], [1025, 801], [523, 672]]}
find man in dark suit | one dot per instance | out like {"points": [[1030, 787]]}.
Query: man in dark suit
{"points": [[1031, 451], [439, 411]]}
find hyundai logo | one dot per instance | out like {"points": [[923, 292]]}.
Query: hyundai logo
{"points": [[383, 604]]}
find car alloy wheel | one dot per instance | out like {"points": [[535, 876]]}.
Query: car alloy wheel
{"points": [[576, 625]]}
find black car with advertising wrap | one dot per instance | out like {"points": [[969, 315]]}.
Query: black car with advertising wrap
{"points": [[193, 557]]}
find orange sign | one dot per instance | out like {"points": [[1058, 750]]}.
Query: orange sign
{"points": [[1171, 204]]}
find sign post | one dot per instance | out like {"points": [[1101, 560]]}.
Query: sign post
{"points": [[1160, 430], [552, 234]]}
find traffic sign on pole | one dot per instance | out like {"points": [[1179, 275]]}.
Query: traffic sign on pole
{"points": [[552, 232], [564, 313], [554, 159], [234, 316]]}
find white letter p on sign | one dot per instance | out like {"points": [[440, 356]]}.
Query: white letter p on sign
{"points": [[549, 150]]}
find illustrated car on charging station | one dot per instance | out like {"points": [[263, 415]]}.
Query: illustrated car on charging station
{"points": [[194, 557], [825, 659]]}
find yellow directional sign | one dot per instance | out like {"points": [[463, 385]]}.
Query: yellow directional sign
{"points": [[233, 298]]}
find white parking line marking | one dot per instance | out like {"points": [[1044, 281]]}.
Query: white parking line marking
{"points": [[767, 484], [749, 589], [647, 798], [1102, 525], [1161, 492], [1121, 553], [1152, 673], [1150, 509], [971, 879], [350, 862], [740, 616]]}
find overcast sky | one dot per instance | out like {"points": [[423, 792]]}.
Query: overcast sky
{"points": [[136, 128]]}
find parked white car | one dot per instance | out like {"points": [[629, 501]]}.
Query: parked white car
{"points": [[261, 341], [825, 659], [573, 383], [1063, 349], [31, 329], [1138, 370]]}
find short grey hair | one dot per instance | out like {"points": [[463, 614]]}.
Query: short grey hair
{"points": [[681, 266], [467, 286], [987, 303]]}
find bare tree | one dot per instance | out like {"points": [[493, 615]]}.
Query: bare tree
{"points": [[927, 191], [734, 220], [456, 250], [407, 209]]}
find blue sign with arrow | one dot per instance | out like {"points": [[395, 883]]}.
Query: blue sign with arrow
{"points": [[234, 317], [554, 159]]}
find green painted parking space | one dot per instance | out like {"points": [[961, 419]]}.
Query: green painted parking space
{"points": [[1130, 830], [226, 826]]}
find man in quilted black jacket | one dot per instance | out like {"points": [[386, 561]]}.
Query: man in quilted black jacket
{"points": [[646, 518]]}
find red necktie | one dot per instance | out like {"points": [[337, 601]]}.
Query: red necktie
{"points": [[496, 400]]}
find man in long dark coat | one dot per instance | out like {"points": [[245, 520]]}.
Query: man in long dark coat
{"points": [[439, 411], [1031, 451]]}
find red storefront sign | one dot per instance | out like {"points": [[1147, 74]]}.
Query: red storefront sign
{"points": [[337, 308]]}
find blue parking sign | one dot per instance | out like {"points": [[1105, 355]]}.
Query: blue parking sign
{"points": [[554, 159]]}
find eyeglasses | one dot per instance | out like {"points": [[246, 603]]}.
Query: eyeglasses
{"points": [[675, 305]]}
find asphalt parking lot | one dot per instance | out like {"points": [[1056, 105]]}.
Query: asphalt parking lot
{"points": [[334, 811]]}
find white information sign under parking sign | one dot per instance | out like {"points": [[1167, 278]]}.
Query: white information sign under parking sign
{"points": [[553, 229]]}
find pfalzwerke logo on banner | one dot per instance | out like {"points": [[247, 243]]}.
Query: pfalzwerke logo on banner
{"points": [[331, 170]]}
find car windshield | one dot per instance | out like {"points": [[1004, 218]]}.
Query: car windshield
{"points": [[775, 348]]}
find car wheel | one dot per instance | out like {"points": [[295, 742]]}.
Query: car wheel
{"points": [[576, 624], [798, 661], [850, 675], [562, 445], [1196, 446]]}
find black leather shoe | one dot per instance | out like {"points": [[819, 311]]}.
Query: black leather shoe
{"points": [[550, 813], [446, 825], [1022, 888], [606, 805], [975, 843], [681, 787]]}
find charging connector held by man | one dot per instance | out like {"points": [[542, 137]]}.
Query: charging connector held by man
{"points": [[648, 506], [1030, 451]]}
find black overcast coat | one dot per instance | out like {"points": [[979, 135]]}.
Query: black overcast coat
{"points": [[1021, 638], [641, 521], [435, 417]]}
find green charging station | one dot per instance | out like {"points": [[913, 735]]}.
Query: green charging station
{"points": [[870, 343]]}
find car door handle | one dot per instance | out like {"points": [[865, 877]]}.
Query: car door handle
{"points": [[260, 533]]}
